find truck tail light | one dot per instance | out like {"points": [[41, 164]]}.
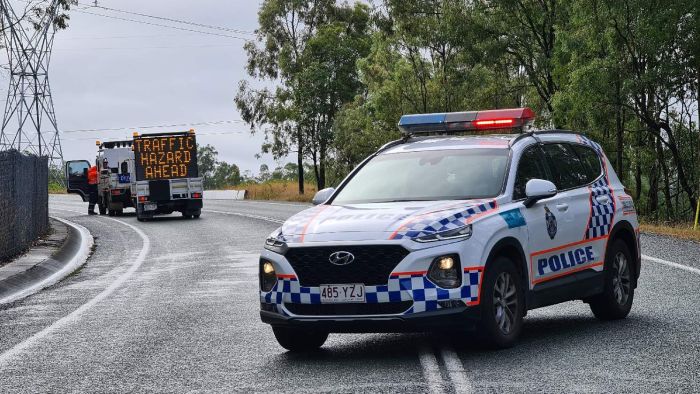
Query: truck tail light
{"points": [[143, 198], [196, 195], [116, 192]]}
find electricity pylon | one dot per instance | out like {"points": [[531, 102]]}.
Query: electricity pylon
{"points": [[29, 121]]}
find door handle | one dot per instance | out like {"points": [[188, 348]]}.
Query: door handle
{"points": [[603, 199], [563, 207]]}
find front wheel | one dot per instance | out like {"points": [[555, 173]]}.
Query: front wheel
{"points": [[615, 302], [502, 304], [296, 340]]}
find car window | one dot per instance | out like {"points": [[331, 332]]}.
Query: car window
{"points": [[531, 166], [428, 175], [566, 167], [590, 161]]}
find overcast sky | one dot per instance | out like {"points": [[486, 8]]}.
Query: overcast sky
{"points": [[108, 73]]}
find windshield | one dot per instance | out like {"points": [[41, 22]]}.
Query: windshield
{"points": [[426, 176]]}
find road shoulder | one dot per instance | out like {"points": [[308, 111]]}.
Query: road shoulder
{"points": [[48, 262]]}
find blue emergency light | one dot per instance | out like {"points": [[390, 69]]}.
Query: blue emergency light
{"points": [[512, 120]]}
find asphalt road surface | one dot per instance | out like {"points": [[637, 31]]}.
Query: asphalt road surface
{"points": [[172, 306]]}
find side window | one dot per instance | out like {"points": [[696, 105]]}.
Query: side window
{"points": [[531, 166], [568, 170], [590, 161]]}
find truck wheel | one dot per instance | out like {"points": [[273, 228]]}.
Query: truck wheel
{"points": [[296, 340], [197, 214], [120, 212], [101, 207], [187, 215], [140, 215], [615, 302], [502, 304], [111, 212]]}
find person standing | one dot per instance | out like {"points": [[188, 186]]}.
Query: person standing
{"points": [[92, 189]]}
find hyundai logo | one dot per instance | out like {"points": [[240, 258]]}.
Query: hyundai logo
{"points": [[341, 258]]}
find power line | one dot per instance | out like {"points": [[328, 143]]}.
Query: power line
{"points": [[161, 25], [229, 132], [211, 123], [226, 29]]}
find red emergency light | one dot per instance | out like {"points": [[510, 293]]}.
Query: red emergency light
{"points": [[512, 120]]}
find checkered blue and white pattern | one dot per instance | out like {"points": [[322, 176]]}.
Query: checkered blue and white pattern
{"points": [[601, 214], [410, 287], [436, 222]]}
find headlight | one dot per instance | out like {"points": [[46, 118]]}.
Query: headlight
{"points": [[464, 232], [276, 242], [446, 271], [268, 276]]}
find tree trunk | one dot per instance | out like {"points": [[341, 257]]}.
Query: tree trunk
{"points": [[300, 161], [667, 188], [619, 131]]}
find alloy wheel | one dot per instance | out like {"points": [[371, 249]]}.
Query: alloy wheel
{"points": [[621, 279], [505, 302]]}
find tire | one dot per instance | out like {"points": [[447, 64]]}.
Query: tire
{"points": [[140, 215], [502, 317], [101, 208], [296, 340], [120, 212], [615, 302], [111, 212], [196, 214], [186, 215]]}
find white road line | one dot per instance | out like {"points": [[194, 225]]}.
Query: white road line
{"points": [[75, 315], [267, 202], [456, 371], [79, 259], [672, 264], [246, 215], [431, 370]]}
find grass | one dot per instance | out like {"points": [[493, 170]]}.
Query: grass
{"points": [[683, 231], [55, 188], [278, 190]]}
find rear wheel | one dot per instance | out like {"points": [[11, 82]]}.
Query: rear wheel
{"points": [[615, 302], [296, 340], [502, 304]]}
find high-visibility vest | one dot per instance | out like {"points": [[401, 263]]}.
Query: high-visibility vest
{"points": [[92, 175]]}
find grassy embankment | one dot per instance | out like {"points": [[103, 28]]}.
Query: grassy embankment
{"points": [[55, 188], [278, 190], [683, 231]]}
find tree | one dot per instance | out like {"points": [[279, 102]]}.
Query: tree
{"points": [[310, 49], [226, 175], [207, 160]]}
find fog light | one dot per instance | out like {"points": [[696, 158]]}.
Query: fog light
{"points": [[446, 263], [446, 272], [268, 277], [268, 268]]}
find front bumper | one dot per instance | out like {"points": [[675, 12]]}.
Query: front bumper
{"points": [[459, 318]]}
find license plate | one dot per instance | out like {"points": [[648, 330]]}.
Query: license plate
{"points": [[150, 207], [332, 294]]}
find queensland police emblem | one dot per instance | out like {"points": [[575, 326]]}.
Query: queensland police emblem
{"points": [[551, 221]]}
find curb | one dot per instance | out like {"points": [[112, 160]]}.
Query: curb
{"points": [[71, 255]]}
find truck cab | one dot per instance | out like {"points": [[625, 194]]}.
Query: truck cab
{"points": [[115, 164]]}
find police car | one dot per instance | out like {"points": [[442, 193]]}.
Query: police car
{"points": [[468, 222]]}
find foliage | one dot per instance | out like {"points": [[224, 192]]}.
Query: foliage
{"points": [[625, 72], [216, 174]]}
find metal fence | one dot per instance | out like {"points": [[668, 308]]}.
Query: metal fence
{"points": [[24, 201]]}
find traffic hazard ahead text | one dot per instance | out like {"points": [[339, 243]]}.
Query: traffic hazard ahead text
{"points": [[165, 157]]}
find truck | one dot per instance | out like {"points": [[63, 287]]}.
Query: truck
{"points": [[154, 173], [166, 175], [114, 165]]}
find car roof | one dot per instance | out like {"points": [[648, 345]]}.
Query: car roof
{"points": [[458, 142]]}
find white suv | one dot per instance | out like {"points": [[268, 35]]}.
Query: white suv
{"points": [[442, 230]]}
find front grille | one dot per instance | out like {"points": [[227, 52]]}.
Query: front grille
{"points": [[385, 308], [372, 264]]}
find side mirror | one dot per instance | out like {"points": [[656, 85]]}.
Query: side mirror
{"points": [[323, 195], [538, 189]]}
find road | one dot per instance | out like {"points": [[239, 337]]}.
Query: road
{"points": [[172, 305]]}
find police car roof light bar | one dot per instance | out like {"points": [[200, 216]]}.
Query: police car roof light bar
{"points": [[513, 120]]}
